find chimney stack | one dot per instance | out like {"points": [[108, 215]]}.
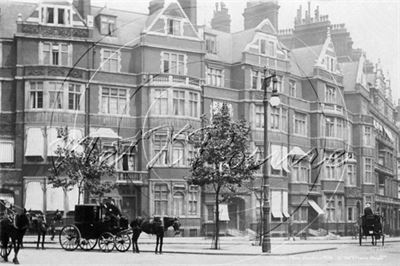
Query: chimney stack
{"points": [[221, 20], [190, 8], [256, 11], [155, 5]]}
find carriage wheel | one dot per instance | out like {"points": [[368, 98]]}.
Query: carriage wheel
{"points": [[6, 251], [69, 237], [106, 242], [87, 244], [360, 236], [122, 242]]}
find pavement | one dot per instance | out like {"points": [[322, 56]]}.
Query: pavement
{"points": [[241, 246]]}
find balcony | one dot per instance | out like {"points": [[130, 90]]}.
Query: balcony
{"points": [[131, 177], [169, 79]]}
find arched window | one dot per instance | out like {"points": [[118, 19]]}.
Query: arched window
{"points": [[178, 203]]}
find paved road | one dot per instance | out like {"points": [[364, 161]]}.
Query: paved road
{"points": [[345, 254]]}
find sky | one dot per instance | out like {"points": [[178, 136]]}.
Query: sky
{"points": [[374, 25]]}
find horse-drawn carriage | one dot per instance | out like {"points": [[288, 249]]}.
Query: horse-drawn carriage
{"points": [[371, 225], [93, 225]]}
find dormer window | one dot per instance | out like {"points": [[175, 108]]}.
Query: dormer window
{"points": [[330, 64], [210, 44], [267, 47], [107, 25], [174, 27], [56, 15]]}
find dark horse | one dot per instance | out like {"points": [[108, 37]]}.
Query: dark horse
{"points": [[155, 227], [14, 228]]}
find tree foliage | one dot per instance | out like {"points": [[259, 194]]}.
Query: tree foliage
{"points": [[81, 165], [222, 161]]}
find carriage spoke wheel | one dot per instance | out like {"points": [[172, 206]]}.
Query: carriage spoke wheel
{"points": [[87, 244], [69, 237], [122, 242], [106, 242], [6, 251]]}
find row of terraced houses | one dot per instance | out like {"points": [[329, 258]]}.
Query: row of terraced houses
{"points": [[121, 75]]}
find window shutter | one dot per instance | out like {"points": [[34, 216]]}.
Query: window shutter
{"points": [[40, 53], [70, 54]]}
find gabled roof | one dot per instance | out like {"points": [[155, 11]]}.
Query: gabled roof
{"points": [[303, 60], [9, 15], [230, 46], [129, 25], [155, 22]]}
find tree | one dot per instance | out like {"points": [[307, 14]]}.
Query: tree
{"points": [[83, 165], [222, 161]]}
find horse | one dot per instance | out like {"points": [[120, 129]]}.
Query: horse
{"points": [[14, 228], [155, 227]]}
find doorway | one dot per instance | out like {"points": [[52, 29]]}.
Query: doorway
{"points": [[237, 214]]}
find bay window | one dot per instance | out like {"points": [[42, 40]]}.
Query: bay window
{"points": [[178, 102], [175, 102], [56, 95], [36, 95], [160, 102]]}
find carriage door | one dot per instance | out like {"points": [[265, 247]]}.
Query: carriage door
{"points": [[129, 204]]}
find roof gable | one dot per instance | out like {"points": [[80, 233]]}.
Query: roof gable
{"points": [[327, 58], [266, 27], [158, 23]]}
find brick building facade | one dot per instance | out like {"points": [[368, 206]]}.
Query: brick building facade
{"points": [[129, 77]]}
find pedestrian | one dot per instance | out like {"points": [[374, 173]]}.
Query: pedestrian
{"points": [[290, 230]]}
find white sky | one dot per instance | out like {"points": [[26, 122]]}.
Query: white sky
{"points": [[374, 25]]}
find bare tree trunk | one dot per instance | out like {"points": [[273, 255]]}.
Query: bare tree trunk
{"points": [[216, 218]]}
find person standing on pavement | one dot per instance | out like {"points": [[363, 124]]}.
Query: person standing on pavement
{"points": [[290, 230]]}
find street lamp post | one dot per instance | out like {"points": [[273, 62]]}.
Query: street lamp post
{"points": [[266, 228]]}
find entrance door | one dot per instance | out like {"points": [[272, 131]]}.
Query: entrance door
{"points": [[129, 207], [237, 215]]}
